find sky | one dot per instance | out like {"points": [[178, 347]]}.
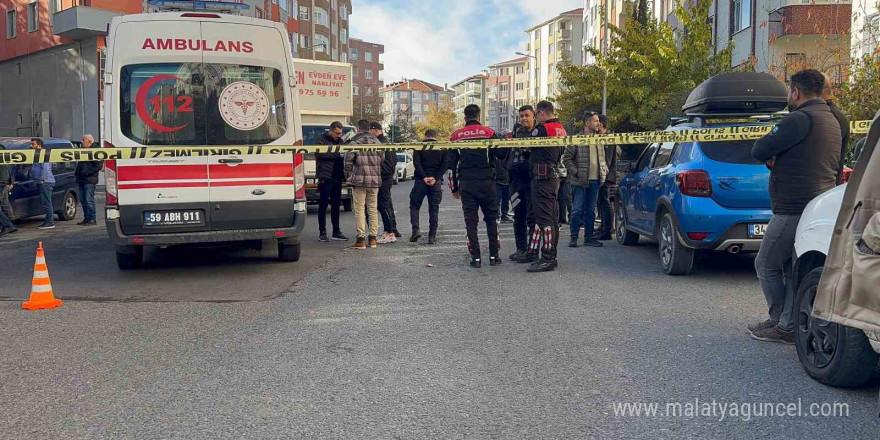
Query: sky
{"points": [[447, 41]]}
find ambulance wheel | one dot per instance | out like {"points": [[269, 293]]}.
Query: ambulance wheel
{"points": [[129, 257], [288, 252], [346, 205]]}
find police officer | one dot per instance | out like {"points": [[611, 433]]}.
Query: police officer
{"points": [[517, 163], [543, 164], [473, 181]]}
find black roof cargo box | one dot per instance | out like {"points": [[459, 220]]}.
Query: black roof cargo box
{"points": [[738, 92]]}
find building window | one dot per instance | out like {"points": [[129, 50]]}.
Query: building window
{"points": [[322, 43], [369, 91], [357, 72], [520, 103], [33, 17], [552, 28], [343, 36], [520, 69], [304, 13], [258, 13], [11, 19], [333, 28], [520, 86], [742, 14], [333, 54], [355, 55], [356, 90], [871, 33], [343, 12], [368, 57], [368, 74], [343, 57], [537, 34], [321, 17], [304, 41]]}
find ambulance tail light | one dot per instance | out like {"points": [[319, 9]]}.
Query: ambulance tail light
{"points": [[112, 183], [299, 177]]}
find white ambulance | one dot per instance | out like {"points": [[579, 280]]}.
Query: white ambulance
{"points": [[201, 79]]}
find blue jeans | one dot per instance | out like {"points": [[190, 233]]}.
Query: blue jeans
{"points": [[46, 200], [504, 198], [774, 267], [5, 222], [87, 200], [583, 208]]}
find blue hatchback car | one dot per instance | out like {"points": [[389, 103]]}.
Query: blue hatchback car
{"points": [[25, 197], [711, 196]]}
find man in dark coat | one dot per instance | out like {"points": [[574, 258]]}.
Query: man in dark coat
{"points": [[329, 169]]}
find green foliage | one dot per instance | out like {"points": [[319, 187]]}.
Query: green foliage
{"points": [[401, 128], [650, 70], [440, 118], [641, 13], [860, 96]]}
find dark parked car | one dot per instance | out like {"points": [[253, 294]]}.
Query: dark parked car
{"points": [[25, 196]]}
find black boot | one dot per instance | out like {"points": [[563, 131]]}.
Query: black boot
{"points": [[543, 265], [495, 261], [476, 263], [416, 235], [432, 236], [516, 255]]}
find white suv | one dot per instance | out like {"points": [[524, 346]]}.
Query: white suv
{"points": [[831, 353]]}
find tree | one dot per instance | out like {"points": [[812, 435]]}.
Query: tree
{"points": [[641, 12], [367, 107], [649, 70], [401, 128], [440, 118]]}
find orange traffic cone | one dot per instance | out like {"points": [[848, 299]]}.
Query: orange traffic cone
{"points": [[41, 288]]}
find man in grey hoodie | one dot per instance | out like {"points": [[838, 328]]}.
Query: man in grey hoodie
{"points": [[363, 171]]}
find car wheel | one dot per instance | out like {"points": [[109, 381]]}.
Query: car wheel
{"points": [[675, 259], [68, 207], [831, 353], [625, 237], [289, 252], [346, 205], [129, 257]]}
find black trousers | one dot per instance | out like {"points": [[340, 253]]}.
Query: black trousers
{"points": [[523, 217], [564, 200], [331, 193], [546, 208], [417, 196], [476, 196], [606, 215], [386, 206]]}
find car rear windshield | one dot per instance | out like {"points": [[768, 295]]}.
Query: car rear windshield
{"points": [[730, 152], [202, 104]]}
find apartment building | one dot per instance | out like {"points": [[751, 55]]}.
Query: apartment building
{"points": [[559, 38], [471, 90], [865, 38], [412, 98], [322, 30], [784, 36], [367, 67], [506, 91]]}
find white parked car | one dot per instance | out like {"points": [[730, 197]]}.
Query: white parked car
{"points": [[406, 169], [831, 353]]}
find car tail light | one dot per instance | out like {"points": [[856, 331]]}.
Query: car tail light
{"points": [[112, 183], [698, 236], [847, 174], [694, 183], [137, 240], [299, 176], [198, 15]]}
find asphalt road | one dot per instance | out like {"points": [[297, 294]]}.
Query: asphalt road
{"points": [[377, 344]]}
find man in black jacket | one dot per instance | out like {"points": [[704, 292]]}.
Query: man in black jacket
{"points": [[517, 162], [802, 153], [87, 178], [386, 204], [430, 168], [473, 181], [6, 225], [329, 170], [828, 96], [609, 187]]}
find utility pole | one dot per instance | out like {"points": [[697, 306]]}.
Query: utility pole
{"points": [[605, 52]]}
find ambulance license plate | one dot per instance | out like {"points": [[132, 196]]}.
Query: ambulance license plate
{"points": [[174, 218], [757, 230]]}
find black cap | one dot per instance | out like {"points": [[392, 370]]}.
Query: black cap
{"points": [[375, 126]]}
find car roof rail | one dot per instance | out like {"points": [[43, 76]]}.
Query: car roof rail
{"points": [[703, 119]]}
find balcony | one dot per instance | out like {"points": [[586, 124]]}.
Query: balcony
{"points": [[82, 22], [563, 34], [797, 20], [565, 54]]}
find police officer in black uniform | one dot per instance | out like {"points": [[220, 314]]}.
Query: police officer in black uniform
{"points": [[473, 181], [543, 164], [517, 162]]}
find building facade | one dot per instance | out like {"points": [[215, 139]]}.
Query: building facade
{"points": [[783, 36], [507, 91], [471, 90], [411, 99], [367, 70], [550, 42], [322, 31], [865, 38]]}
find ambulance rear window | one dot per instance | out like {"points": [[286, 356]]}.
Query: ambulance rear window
{"points": [[202, 104]]}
